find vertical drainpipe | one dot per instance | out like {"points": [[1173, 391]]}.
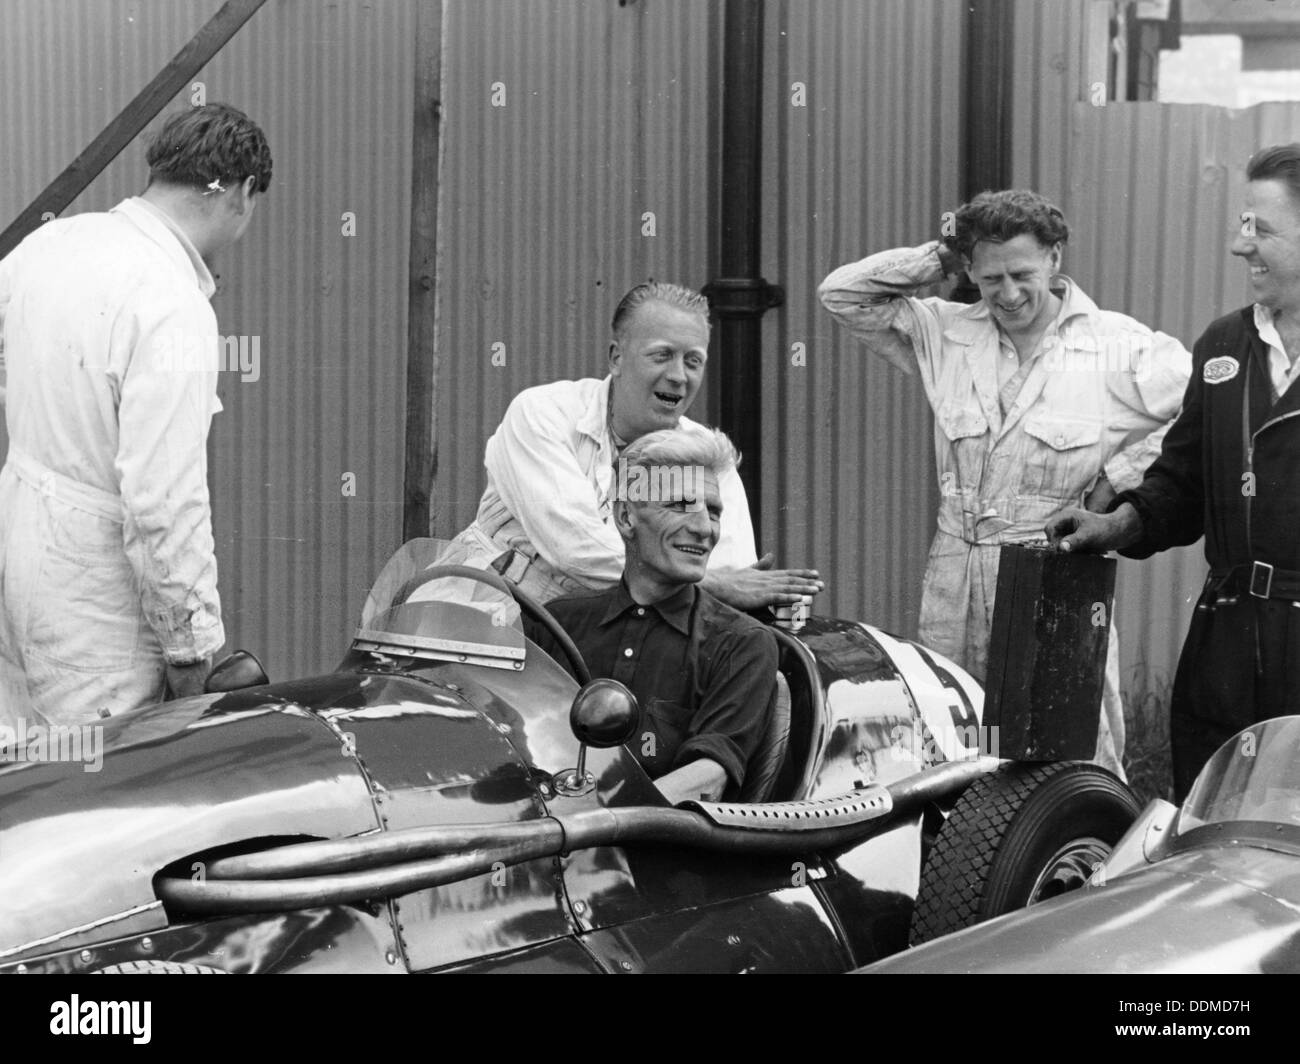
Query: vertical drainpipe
{"points": [[986, 116], [740, 296]]}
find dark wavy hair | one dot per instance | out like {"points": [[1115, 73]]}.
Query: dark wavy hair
{"points": [[1281, 162], [215, 142], [1002, 216]]}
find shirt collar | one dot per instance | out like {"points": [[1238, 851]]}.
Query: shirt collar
{"points": [[592, 421], [675, 609], [970, 322], [1264, 324], [1074, 302], [163, 230]]}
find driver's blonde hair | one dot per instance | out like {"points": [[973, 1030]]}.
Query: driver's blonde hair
{"points": [[695, 445]]}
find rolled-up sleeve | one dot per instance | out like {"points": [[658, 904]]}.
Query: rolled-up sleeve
{"points": [[739, 699], [168, 398], [874, 299]]}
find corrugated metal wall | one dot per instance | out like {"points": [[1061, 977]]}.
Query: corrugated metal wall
{"points": [[331, 85], [609, 112], [1152, 192], [870, 162], [564, 125]]}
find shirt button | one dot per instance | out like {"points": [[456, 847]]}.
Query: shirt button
{"points": [[640, 611], [627, 653], [1060, 441]]}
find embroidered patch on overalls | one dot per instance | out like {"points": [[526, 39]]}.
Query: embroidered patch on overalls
{"points": [[1221, 369]]}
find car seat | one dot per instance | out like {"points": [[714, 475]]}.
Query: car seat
{"points": [[765, 765]]}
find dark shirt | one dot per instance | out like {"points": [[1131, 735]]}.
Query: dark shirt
{"points": [[703, 673], [1199, 482]]}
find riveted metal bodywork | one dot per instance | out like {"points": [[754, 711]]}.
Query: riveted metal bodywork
{"points": [[199, 791]]}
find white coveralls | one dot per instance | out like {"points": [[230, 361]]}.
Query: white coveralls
{"points": [[550, 491], [1099, 395], [107, 566]]}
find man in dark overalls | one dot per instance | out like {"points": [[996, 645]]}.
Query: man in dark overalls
{"points": [[1230, 469]]}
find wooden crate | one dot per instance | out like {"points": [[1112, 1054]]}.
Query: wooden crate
{"points": [[1047, 652]]}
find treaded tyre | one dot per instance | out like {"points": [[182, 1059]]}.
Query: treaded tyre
{"points": [[157, 968], [1022, 834]]}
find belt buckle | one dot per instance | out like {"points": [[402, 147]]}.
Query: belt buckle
{"points": [[512, 565], [1261, 576]]}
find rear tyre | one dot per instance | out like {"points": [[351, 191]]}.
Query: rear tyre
{"points": [[1023, 834]]}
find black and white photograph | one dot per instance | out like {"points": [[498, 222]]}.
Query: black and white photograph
{"points": [[667, 487]]}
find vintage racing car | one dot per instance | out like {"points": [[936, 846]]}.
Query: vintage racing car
{"points": [[1213, 887], [449, 799]]}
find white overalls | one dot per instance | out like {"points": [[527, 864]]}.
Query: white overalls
{"points": [[1099, 395]]}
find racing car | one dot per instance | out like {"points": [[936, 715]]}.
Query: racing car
{"points": [[451, 799], [1211, 887]]}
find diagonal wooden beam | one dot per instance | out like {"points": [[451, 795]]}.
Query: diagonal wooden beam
{"points": [[133, 118]]}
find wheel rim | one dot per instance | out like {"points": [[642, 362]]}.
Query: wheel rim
{"points": [[1069, 868]]}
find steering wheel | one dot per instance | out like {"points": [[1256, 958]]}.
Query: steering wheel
{"points": [[527, 603]]}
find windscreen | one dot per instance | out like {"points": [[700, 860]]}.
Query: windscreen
{"points": [[419, 610], [1253, 779]]}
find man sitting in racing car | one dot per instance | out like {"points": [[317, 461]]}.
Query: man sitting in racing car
{"points": [[703, 672]]}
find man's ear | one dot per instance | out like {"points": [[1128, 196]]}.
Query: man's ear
{"points": [[615, 358], [247, 190], [1054, 257], [624, 519]]}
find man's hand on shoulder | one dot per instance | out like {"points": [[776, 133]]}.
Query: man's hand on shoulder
{"points": [[186, 680], [761, 585], [1080, 530]]}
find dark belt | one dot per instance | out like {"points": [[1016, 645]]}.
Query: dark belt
{"points": [[1259, 579]]}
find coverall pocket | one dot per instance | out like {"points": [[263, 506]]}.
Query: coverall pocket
{"points": [[76, 534], [959, 421], [85, 612], [1063, 455], [966, 429]]}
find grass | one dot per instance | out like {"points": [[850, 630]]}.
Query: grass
{"points": [[1146, 746]]}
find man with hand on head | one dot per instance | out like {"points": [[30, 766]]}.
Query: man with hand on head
{"points": [[545, 519], [1041, 400], [703, 673], [1230, 469], [108, 579]]}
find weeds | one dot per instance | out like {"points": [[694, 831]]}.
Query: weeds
{"points": [[1146, 745]]}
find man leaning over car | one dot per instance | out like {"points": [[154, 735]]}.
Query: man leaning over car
{"points": [[544, 519], [703, 673]]}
